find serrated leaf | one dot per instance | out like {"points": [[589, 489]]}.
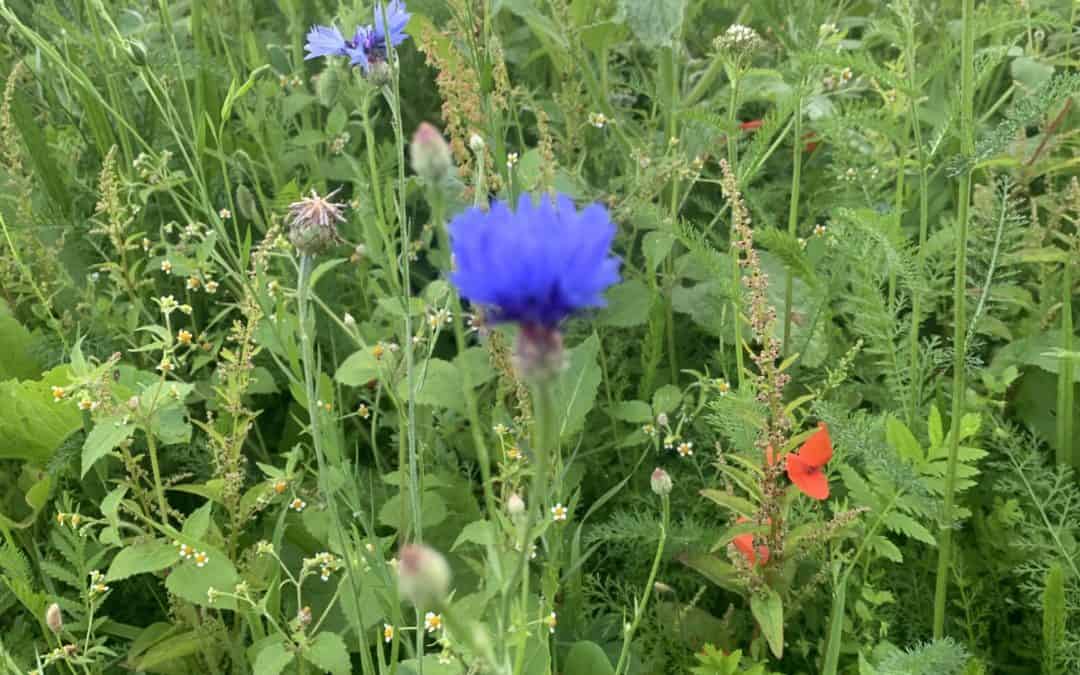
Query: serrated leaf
{"points": [[628, 305], [576, 386], [909, 527], [32, 423], [738, 505], [105, 437], [328, 652], [654, 22], [141, 558], [637, 412], [666, 399], [768, 610], [272, 659], [479, 532], [193, 583]]}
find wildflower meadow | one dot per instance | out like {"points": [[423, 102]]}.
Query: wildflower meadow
{"points": [[539, 337]]}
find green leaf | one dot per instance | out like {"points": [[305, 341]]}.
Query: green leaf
{"points": [[575, 389], [638, 412], [743, 507], [909, 527], [935, 428], [170, 649], [438, 383], [358, 369], [193, 583], [433, 511], [16, 360], [654, 22], [720, 572], [328, 652], [903, 441], [32, 423], [666, 399], [627, 305], [587, 658], [479, 532], [150, 556], [273, 658], [105, 437], [768, 609], [198, 523]]}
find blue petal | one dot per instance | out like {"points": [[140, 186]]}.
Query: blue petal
{"points": [[536, 264], [324, 41], [393, 29]]}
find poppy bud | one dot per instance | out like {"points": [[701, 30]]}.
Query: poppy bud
{"points": [[423, 575], [476, 142], [54, 618], [430, 155], [661, 482], [515, 505]]}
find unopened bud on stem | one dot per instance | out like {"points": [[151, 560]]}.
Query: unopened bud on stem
{"points": [[430, 155], [423, 575]]}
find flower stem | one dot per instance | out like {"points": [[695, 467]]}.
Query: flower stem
{"points": [[967, 146], [793, 218], [155, 467], [639, 611]]}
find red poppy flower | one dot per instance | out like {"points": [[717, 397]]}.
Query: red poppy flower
{"points": [[804, 467], [745, 544]]}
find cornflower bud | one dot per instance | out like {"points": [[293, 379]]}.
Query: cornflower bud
{"points": [[430, 154]]}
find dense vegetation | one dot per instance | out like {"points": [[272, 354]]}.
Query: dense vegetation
{"points": [[566, 336]]}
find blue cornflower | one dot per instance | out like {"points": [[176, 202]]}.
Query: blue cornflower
{"points": [[369, 43], [324, 41], [394, 33], [535, 265]]}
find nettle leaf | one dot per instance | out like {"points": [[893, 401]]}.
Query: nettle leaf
{"points": [[627, 305], [358, 369], [273, 657], [106, 436], [768, 609], [654, 22], [32, 423], [328, 652], [637, 412], [16, 360], [150, 556], [437, 383], [575, 389], [193, 583], [479, 532], [666, 399]]}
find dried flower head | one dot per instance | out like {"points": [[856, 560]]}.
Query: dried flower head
{"points": [[313, 223]]}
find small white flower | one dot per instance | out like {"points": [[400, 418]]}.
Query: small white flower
{"points": [[559, 512], [432, 622], [685, 449]]}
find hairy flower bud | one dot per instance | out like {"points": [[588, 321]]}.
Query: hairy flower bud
{"points": [[515, 505], [313, 223], [54, 618], [430, 154], [661, 482], [423, 575], [476, 143]]}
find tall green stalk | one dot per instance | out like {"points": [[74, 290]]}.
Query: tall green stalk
{"points": [[793, 217], [643, 605], [924, 212], [1065, 374], [967, 147]]}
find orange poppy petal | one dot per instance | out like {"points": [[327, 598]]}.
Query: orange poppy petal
{"points": [[745, 544], [810, 480], [817, 450]]}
